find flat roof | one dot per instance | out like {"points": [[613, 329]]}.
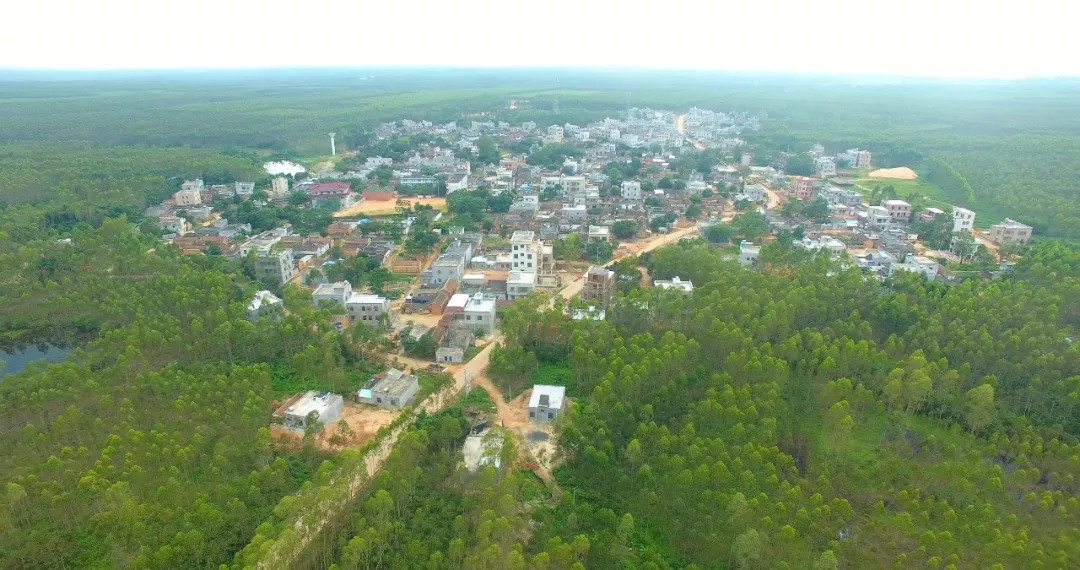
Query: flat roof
{"points": [[394, 383], [313, 401], [555, 395], [365, 299], [458, 301], [480, 304], [521, 277]]}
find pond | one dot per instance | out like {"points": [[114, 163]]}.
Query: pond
{"points": [[282, 167], [17, 359]]}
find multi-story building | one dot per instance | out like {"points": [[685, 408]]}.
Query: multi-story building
{"points": [[275, 266], [839, 196], [279, 187], [188, 196], [599, 285], [480, 313], [554, 134], [801, 188], [825, 166], [174, 224], [525, 251], [899, 210], [863, 159], [1010, 231], [337, 293], [963, 219], [519, 284], [248, 188], [367, 309], [878, 216]]}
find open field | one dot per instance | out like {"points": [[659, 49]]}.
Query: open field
{"points": [[387, 208]]}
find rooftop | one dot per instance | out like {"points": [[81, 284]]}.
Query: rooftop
{"points": [[522, 236], [1013, 224], [458, 301], [555, 396], [394, 383], [674, 283], [521, 278], [263, 298], [313, 401], [366, 299]]}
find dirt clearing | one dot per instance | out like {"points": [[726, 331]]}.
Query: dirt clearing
{"points": [[901, 173], [387, 207]]}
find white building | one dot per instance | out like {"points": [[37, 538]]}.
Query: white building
{"points": [[174, 224], [631, 190], [275, 266], [395, 389], [546, 402], [599, 233], [525, 251], [878, 216], [248, 188], [917, 264], [963, 219], [337, 293], [554, 134], [575, 214], [748, 253], [520, 284], [755, 192], [825, 166], [480, 313], [367, 309], [261, 303], [674, 283], [323, 407]]}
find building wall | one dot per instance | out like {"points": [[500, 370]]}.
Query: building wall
{"points": [[541, 414]]}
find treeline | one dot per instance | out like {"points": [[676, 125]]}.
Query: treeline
{"points": [[149, 448], [940, 172]]}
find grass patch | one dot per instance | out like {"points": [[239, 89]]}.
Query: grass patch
{"points": [[479, 399], [555, 374]]}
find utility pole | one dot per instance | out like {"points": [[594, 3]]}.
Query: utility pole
{"points": [[468, 384]]}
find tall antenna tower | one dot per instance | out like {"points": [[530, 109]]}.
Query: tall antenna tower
{"points": [[333, 149], [555, 105]]}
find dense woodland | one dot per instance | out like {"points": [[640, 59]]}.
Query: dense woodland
{"points": [[799, 415]]}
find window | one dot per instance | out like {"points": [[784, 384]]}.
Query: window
{"points": [[468, 317], [532, 413], [551, 415]]}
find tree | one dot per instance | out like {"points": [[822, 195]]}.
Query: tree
{"points": [[817, 210], [624, 229], [693, 212], [652, 201], [666, 183], [751, 225], [298, 198], [799, 165], [598, 251], [980, 407], [963, 245], [487, 150], [568, 248], [707, 193], [719, 233]]}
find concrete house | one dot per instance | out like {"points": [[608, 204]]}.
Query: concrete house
{"points": [[263, 303], [748, 253], [963, 219], [899, 210], [631, 190], [337, 293], [546, 403], [480, 313], [326, 406], [367, 309], [390, 389], [1010, 231], [275, 266], [674, 283]]}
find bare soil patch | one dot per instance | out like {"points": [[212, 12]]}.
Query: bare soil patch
{"points": [[387, 207], [901, 173]]}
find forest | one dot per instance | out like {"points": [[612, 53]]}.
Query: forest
{"points": [[798, 415]]}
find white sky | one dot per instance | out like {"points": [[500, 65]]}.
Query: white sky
{"points": [[958, 38]]}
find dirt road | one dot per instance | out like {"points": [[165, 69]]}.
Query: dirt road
{"points": [[680, 125]]}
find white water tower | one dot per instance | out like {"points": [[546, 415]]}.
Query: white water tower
{"points": [[333, 149]]}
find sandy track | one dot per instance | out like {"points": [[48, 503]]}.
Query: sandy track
{"points": [[386, 207], [901, 173]]}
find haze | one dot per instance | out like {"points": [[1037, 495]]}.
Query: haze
{"points": [[918, 38]]}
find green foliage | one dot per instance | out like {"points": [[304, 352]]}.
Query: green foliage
{"points": [[624, 229], [799, 165], [750, 225]]}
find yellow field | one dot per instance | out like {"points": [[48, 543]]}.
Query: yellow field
{"points": [[387, 207]]}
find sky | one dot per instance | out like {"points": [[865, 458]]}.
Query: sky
{"points": [[939, 38]]}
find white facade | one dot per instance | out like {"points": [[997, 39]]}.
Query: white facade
{"points": [[525, 251], [917, 264], [246, 188], [520, 284], [367, 308], [878, 216], [546, 402], [748, 253], [963, 219], [275, 266], [574, 214], [338, 293], [825, 166], [674, 283], [327, 408], [480, 313]]}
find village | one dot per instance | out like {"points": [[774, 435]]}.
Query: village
{"points": [[471, 216]]}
